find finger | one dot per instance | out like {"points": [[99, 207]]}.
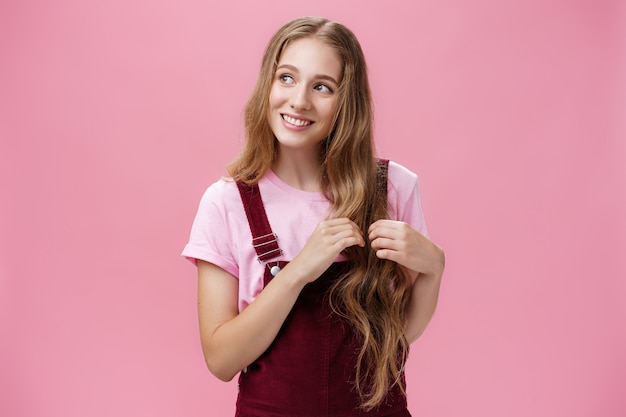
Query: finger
{"points": [[388, 254], [347, 237], [384, 232], [350, 241], [331, 228], [399, 231], [336, 225], [388, 224], [385, 243], [353, 226], [342, 229], [337, 221]]}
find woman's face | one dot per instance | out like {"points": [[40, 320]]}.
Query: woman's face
{"points": [[304, 94]]}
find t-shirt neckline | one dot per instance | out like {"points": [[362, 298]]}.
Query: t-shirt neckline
{"points": [[301, 194]]}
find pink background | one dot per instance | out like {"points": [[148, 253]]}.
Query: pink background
{"points": [[115, 116]]}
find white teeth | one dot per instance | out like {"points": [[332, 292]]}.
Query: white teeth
{"points": [[296, 122]]}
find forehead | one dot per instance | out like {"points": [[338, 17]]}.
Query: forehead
{"points": [[312, 56]]}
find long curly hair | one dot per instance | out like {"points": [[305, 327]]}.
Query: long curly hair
{"points": [[373, 296]]}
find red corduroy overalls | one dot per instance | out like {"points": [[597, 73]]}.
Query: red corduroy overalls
{"points": [[309, 369]]}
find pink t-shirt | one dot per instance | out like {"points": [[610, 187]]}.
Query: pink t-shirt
{"points": [[220, 233]]}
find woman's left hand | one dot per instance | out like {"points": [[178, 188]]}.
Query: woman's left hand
{"points": [[399, 242]]}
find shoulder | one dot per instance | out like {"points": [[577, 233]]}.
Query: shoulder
{"points": [[221, 201], [403, 197], [223, 192], [401, 178]]}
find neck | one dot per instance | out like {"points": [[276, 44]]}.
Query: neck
{"points": [[301, 170]]}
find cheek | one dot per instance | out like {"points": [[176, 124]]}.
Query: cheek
{"points": [[275, 98], [329, 109]]}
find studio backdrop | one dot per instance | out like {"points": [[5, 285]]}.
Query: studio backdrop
{"points": [[116, 115]]}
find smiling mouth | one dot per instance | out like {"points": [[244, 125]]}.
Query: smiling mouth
{"points": [[296, 122]]}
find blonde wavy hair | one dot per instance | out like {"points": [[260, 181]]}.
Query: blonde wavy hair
{"points": [[373, 296]]}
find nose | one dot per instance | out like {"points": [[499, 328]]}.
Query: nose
{"points": [[300, 99]]}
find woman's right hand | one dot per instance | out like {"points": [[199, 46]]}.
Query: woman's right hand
{"points": [[231, 339], [328, 240]]}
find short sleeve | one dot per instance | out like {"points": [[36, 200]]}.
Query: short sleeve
{"points": [[404, 197], [210, 237]]}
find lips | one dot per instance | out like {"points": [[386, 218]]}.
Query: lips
{"points": [[296, 122]]}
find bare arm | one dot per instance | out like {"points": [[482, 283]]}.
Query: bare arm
{"points": [[232, 340], [424, 296], [422, 262]]}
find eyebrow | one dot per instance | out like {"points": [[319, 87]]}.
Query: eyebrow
{"points": [[317, 76]]}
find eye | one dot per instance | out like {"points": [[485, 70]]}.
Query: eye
{"points": [[323, 88], [285, 78]]}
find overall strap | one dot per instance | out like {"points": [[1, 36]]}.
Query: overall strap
{"points": [[383, 169], [264, 240]]}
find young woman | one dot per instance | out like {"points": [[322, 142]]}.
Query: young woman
{"points": [[314, 271]]}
